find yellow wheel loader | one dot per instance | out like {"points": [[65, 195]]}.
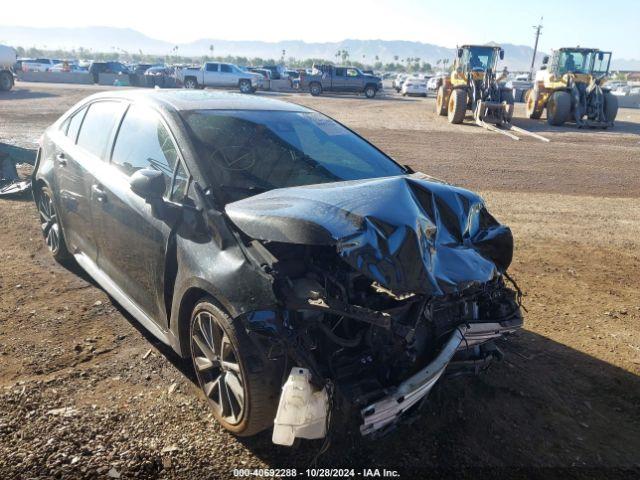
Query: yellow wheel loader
{"points": [[474, 85], [571, 87]]}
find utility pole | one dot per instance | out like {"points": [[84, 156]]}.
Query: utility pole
{"points": [[537, 28]]}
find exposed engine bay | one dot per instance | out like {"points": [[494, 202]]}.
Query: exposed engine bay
{"points": [[378, 302]]}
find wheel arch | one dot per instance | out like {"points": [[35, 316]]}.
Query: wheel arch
{"points": [[184, 304]]}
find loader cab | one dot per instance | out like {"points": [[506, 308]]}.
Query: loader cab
{"points": [[601, 64], [479, 58], [580, 61]]}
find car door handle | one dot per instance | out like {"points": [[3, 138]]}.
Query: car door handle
{"points": [[98, 193], [62, 161]]}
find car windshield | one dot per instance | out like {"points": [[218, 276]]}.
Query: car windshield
{"points": [[245, 152]]}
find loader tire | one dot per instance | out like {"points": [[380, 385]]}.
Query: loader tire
{"points": [[558, 108], [507, 96], [457, 106], [610, 106], [531, 105], [441, 102]]}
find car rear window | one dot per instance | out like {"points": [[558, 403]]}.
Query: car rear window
{"points": [[99, 121]]}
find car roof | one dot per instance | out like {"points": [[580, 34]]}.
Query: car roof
{"points": [[180, 100]]}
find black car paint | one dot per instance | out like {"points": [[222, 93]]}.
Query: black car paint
{"points": [[408, 233], [177, 263], [160, 258]]}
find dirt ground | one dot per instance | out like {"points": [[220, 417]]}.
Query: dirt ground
{"points": [[85, 392]]}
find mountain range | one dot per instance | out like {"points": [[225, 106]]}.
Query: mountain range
{"points": [[107, 39]]}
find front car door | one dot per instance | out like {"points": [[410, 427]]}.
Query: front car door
{"points": [[228, 78], [133, 242], [353, 80]]}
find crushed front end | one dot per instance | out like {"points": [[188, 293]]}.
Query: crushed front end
{"points": [[384, 285]]}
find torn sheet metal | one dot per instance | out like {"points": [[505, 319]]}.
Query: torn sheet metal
{"points": [[408, 233]]}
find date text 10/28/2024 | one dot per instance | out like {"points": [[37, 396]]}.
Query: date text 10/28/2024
{"points": [[316, 472]]}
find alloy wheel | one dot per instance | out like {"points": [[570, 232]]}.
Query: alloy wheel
{"points": [[217, 367], [49, 222]]}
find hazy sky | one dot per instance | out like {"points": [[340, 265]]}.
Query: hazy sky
{"points": [[614, 25]]}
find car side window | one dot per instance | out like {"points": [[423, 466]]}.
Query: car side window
{"points": [[225, 68], [144, 142], [73, 126], [212, 67], [98, 124], [339, 72], [352, 72]]}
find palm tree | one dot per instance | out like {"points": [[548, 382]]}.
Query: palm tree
{"points": [[396, 58], [211, 50]]}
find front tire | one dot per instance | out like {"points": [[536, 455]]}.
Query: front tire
{"points": [[51, 227], [531, 105], [558, 108], [370, 91], [457, 106], [245, 86], [610, 107], [244, 399], [441, 103], [507, 96]]}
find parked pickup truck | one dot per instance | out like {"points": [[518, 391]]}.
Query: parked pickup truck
{"points": [[328, 78], [214, 74]]}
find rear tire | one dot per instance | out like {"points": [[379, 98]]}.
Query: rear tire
{"points": [[558, 108], [6, 81], [610, 106], [51, 227], [190, 83], [231, 371], [441, 102], [457, 105], [315, 89], [531, 107]]}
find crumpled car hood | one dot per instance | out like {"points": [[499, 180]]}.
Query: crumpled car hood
{"points": [[408, 233]]}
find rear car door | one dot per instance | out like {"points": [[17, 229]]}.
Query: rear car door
{"points": [[211, 75], [133, 242], [89, 131], [338, 79]]}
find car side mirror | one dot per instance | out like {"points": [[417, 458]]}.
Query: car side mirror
{"points": [[460, 53], [148, 184], [501, 54], [545, 59], [543, 67]]}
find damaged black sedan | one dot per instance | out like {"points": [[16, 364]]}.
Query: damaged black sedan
{"points": [[307, 275]]}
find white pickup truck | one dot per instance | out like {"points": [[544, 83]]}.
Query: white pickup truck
{"points": [[39, 65], [7, 61], [215, 74]]}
